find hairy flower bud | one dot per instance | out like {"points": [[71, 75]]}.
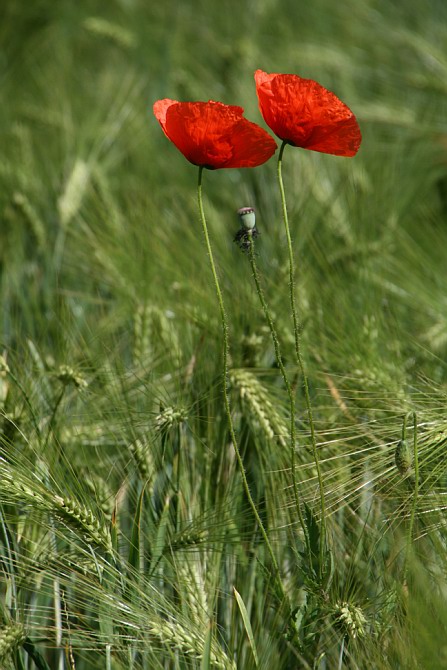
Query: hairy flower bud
{"points": [[403, 457]]}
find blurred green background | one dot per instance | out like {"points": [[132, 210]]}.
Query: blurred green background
{"points": [[103, 269], [98, 207]]}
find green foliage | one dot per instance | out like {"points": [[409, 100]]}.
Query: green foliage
{"points": [[125, 531]]}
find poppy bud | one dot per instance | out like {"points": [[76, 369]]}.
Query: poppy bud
{"points": [[403, 457], [247, 217]]}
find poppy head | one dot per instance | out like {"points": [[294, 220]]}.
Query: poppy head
{"points": [[247, 217], [214, 135], [304, 114]]}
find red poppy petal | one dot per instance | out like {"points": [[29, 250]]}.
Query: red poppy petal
{"points": [[214, 135], [160, 109], [305, 114], [192, 128], [342, 138], [252, 145]]}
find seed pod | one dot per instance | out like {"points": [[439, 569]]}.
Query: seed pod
{"points": [[403, 457], [247, 217]]}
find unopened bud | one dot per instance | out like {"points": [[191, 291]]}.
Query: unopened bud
{"points": [[403, 457]]}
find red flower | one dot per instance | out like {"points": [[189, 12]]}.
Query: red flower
{"points": [[305, 114], [214, 135]]}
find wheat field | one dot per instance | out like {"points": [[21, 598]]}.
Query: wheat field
{"points": [[134, 532]]}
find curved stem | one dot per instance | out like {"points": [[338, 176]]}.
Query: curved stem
{"points": [[285, 377], [28, 403], [223, 319], [299, 358], [53, 417]]}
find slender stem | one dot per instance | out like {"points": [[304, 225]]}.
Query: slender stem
{"points": [[10, 599], [28, 403], [69, 647], [58, 624], [177, 470], [415, 492], [58, 629], [285, 377], [108, 657], [225, 392], [56, 582], [299, 358], [53, 417], [404, 428]]}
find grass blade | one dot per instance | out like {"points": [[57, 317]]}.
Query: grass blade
{"points": [[247, 625]]}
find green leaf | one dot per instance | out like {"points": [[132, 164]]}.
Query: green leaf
{"points": [[247, 625], [160, 539], [32, 652], [134, 550], [114, 528]]}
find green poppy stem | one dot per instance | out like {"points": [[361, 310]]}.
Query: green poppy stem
{"points": [[285, 377], [299, 358], [223, 319]]}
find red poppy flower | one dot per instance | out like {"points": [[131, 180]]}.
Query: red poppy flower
{"points": [[214, 135], [305, 114]]}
